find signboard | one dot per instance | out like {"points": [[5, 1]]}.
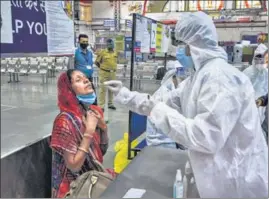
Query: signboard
{"points": [[128, 23], [119, 43], [109, 23], [24, 27], [30, 27], [159, 38], [60, 27], [153, 37]]}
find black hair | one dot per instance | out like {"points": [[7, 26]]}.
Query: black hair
{"points": [[109, 40], [69, 73], [82, 36]]}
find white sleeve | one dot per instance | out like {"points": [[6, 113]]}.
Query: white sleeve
{"points": [[134, 101], [217, 112], [175, 95]]}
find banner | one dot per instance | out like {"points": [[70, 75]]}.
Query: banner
{"points": [[29, 27], [60, 29], [159, 38], [165, 38], [119, 43], [24, 27], [153, 37]]}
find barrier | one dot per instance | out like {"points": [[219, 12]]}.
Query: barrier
{"points": [[27, 172], [154, 38]]}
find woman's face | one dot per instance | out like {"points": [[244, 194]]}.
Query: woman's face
{"points": [[81, 84]]}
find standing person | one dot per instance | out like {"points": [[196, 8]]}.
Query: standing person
{"points": [[258, 74], [84, 58], [78, 132], [213, 114], [107, 62]]}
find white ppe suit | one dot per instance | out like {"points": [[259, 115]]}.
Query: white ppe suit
{"points": [[154, 136], [213, 114], [259, 78]]}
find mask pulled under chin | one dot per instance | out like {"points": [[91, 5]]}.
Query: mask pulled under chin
{"points": [[87, 99]]}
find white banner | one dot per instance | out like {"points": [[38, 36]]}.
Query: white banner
{"points": [[165, 38], [6, 23], [60, 28], [153, 37]]}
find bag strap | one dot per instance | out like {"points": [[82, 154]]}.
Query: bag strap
{"points": [[90, 150]]}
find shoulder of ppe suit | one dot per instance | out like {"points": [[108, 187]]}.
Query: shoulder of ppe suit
{"points": [[225, 78]]}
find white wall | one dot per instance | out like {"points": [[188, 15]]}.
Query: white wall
{"points": [[102, 9], [83, 29], [234, 34], [225, 34]]}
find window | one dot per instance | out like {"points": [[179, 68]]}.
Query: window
{"points": [[175, 6], [247, 4], [205, 5]]}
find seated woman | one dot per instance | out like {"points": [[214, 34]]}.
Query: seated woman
{"points": [[79, 132]]}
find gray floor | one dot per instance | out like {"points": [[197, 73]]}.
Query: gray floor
{"points": [[28, 109]]}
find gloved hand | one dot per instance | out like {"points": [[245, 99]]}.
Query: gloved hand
{"points": [[114, 86], [140, 103]]}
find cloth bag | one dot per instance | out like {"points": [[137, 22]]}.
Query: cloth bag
{"points": [[92, 183]]}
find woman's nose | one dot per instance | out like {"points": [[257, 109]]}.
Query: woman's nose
{"points": [[86, 81]]}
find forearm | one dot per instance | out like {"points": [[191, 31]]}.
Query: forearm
{"points": [[133, 100], [75, 162]]}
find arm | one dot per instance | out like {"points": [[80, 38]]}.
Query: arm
{"points": [[217, 113], [90, 59], [142, 103], [74, 162], [65, 142], [102, 129], [98, 59]]}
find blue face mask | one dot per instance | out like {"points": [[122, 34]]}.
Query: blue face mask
{"points": [[184, 60], [87, 99]]}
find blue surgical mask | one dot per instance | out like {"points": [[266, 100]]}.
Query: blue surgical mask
{"points": [[87, 99], [184, 60]]}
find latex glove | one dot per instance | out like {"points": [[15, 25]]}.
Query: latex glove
{"points": [[141, 103], [114, 86]]}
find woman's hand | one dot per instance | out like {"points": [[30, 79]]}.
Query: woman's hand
{"points": [[259, 102], [101, 122], [90, 122]]}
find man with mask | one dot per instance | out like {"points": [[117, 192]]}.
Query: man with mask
{"points": [[107, 62], [83, 58], [213, 114]]}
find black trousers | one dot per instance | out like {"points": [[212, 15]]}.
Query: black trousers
{"points": [[90, 78]]}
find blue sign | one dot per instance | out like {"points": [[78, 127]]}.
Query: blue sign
{"points": [[128, 23], [109, 23], [29, 30]]}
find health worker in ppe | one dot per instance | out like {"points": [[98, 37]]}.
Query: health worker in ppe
{"points": [[258, 74], [212, 113], [154, 136]]}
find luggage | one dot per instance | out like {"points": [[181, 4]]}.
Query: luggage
{"points": [[90, 184]]}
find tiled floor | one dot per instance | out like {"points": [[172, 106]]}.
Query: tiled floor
{"points": [[28, 110]]}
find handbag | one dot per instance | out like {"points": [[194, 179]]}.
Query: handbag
{"points": [[90, 184]]}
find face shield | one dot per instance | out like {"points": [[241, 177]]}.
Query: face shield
{"points": [[174, 44], [259, 62], [260, 57]]}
